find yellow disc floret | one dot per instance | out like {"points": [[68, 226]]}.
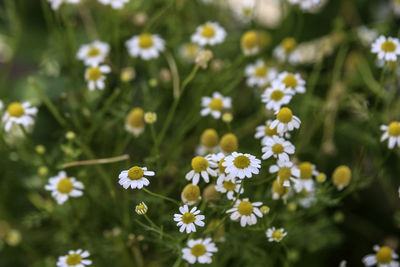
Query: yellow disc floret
{"points": [[229, 185], [269, 131], [241, 162], [276, 95], [216, 104], [135, 118], [284, 115], [199, 164], [198, 250], [73, 259], [94, 73], [188, 218], [245, 208], [208, 31], [290, 81], [284, 174], [306, 170], [145, 40], [93, 52], [261, 71], [15, 109], [394, 129], [384, 255], [209, 138], [277, 149], [65, 185], [288, 44], [341, 176], [388, 46], [229, 143], [135, 173], [277, 235], [191, 192], [250, 40]]}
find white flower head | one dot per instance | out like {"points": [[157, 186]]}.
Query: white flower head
{"points": [[384, 257], [221, 174], [245, 211], [19, 113], [188, 219], [286, 172], [241, 165], [276, 96], [201, 167], [305, 171], [285, 49], [278, 148], [215, 105], [115, 4], [189, 51], [62, 187], [259, 74], [230, 187], [265, 132], [244, 11], [141, 209], [279, 191], [95, 77], [76, 258], [146, 46], [94, 53], [135, 177], [285, 121], [200, 250], [392, 133], [292, 81], [366, 35], [210, 33], [275, 235], [387, 49]]}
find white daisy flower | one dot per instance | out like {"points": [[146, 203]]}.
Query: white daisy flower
{"points": [[384, 257], [115, 4], [55, 4], [134, 177], [265, 132], [275, 235], [241, 165], [189, 51], [201, 167], [95, 77], [259, 74], [208, 142], [386, 48], [284, 50], [279, 191], [76, 258], [210, 33], [141, 209], [221, 174], [285, 121], [276, 96], [278, 148], [250, 43], [215, 105], [188, 219], [230, 187], [286, 172], [94, 53], [19, 113], [146, 46], [292, 81], [392, 133], [244, 11], [200, 250], [366, 35], [305, 172], [62, 187], [245, 211], [134, 122]]}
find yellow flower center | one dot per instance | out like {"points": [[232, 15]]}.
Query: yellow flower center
{"points": [[277, 235], [135, 173], [241, 162], [279, 189], [229, 143], [209, 138], [15, 109], [191, 192], [261, 71], [245, 208], [188, 218], [207, 31], [250, 40], [284, 174], [269, 131], [141, 207], [94, 73], [220, 166], [216, 104], [198, 250], [145, 40], [341, 176], [228, 185], [288, 44], [93, 52], [388, 46], [135, 118], [284, 115], [65, 185], [73, 259], [247, 11], [305, 170], [290, 81], [276, 95], [277, 149], [384, 255], [394, 129], [191, 49], [199, 164]]}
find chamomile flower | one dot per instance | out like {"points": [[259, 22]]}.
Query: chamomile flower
{"points": [[134, 122], [190, 194], [279, 191], [292, 81], [341, 177], [384, 257], [19, 113], [392, 133], [278, 148], [228, 143], [286, 172], [305, 172], [245, 211], [188, 219], [76, 258], [146, 46], [265, 131], [276, 96], [95, 77], [62, 187], [245, 11], [115, 4], [200, 250], [285, 121], [141, 209], [201, 167], [215, 105], [208, 142], [241, 165], [230, 187], [275, 235], [55, 4], [284, 50], [219, 159], [210, 33], [250, 43], [135, 177], [94, 53], [189, 51], [366, 35], [259, 74], [387, 49]]}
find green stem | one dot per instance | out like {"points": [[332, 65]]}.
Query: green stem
{"points": [[161, 196]]}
